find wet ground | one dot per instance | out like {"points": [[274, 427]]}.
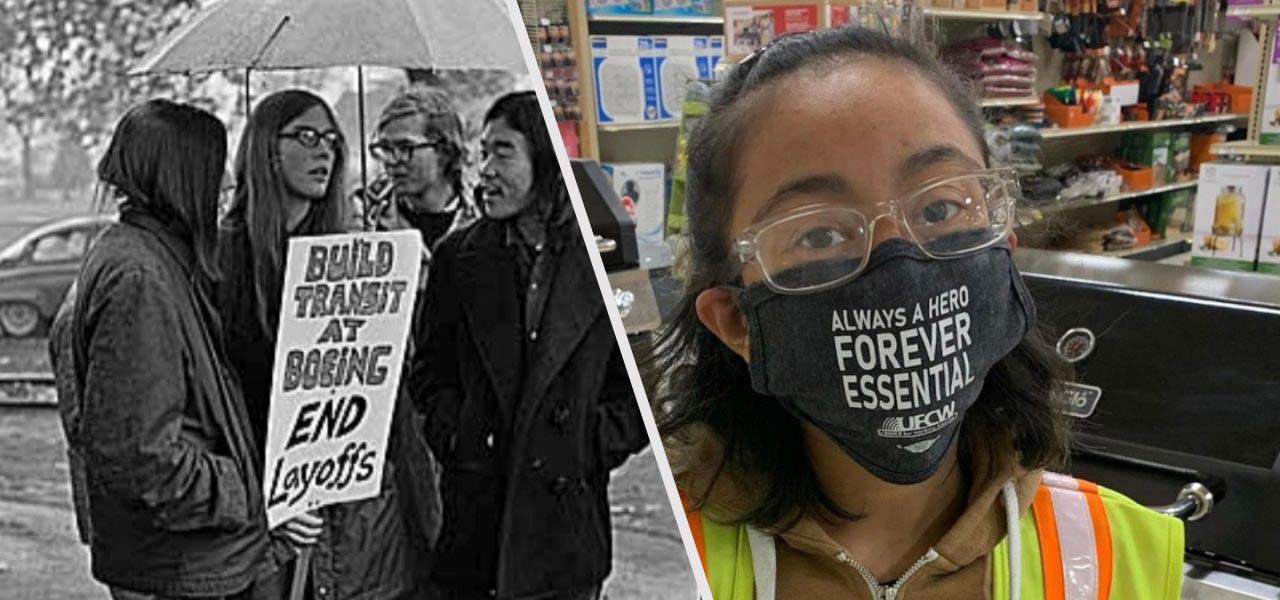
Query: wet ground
{"points": [[41, 557]]}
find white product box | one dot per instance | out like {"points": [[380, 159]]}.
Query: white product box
{"points": [[711, 55], [1228, 219], [642, 188], [679, 60], [682, 7], [1269, 244], [620, 7], [1270, 122], [622, 67]]}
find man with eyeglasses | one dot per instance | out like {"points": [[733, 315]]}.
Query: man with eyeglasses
{"points": [[419, 143]]}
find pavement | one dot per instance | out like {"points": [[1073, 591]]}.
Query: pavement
{"points": [[41, 556]]}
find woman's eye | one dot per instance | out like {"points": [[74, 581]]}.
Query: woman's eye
{"points": [[939, 211], [822, 237]]}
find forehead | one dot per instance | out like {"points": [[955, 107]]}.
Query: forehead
{"points": [[408, 126], [858, 121], [499, 131], [315, 117]]}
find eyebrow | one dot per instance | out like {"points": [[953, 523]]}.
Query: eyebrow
{"points": [[933, 155], [829, 184]]}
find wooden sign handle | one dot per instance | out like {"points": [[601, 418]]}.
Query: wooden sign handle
{"points": [[300, 570]]}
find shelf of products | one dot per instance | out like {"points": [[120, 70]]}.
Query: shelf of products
{"points": [[1074, 204], [1156, 250], [613, 128], [960, 14], [1007, 102], [649, 19], [1271, 10], [1245, 149], [1138, 125]]}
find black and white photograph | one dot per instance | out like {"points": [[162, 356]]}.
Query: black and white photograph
{"points": [[295, 304]]}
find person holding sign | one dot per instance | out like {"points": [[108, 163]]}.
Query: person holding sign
{"points": [[854, 393], [289, 183], [170, 478], [527, 401]]}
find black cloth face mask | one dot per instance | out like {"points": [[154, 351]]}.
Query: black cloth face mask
{"points": [[888, 363]]}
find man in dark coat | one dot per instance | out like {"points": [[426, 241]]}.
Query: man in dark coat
{"points": [[528, 402], [168, 489]]}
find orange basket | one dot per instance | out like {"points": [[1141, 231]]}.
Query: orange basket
{"points": [[1241, 95], [1136, 177], [1065, 116]]}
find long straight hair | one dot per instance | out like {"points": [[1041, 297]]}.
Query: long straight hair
{"points": [[259, 201], [169, 158]]}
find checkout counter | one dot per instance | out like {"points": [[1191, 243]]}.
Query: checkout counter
{"points": [[1177, 400]]}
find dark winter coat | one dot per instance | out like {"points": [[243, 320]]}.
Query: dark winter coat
{"points": [[526, 448], [169, 491], [369, 549]]}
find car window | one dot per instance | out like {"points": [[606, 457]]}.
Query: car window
{"points": [[60, 246]]}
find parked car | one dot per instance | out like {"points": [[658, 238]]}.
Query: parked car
{"points": [[37, 270]]}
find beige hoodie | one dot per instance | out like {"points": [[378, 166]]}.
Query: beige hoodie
{"points": [[807, 563]]}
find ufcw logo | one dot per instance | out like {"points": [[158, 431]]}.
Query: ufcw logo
{"points": [[917, 425]]}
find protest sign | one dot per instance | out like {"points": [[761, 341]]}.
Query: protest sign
{"points": [[344, 319]]}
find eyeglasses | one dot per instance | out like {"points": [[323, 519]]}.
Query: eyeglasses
{"points": [[398, 152], [821, 246], [310, 138]]}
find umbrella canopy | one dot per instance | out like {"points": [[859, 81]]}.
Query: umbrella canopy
{"points": [[306, 34]]}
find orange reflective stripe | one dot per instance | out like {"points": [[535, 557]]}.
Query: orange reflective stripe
{"points": [[695, 528], [1050, 555], [1101, 536]]}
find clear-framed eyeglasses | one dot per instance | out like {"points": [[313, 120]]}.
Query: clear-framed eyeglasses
{"points": [[820, 246]]}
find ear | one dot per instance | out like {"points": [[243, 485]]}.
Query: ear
{"points": [[717, 310], [1013, 241]]}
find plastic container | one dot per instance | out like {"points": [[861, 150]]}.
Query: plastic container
{"points": [[1240, 97], [1136, 177], [1065, 116]]}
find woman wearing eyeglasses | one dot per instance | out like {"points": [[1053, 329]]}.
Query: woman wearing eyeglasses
{"points": [[853, 391], [289, 182]]}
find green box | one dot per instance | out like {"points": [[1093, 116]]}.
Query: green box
{"points": [[1180, 153], [1151, 149]]}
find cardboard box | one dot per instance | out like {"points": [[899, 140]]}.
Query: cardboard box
{"points": [[619, 7], [1150, 149], [750, 24], [682, 8], [1228, 215], [1179, 154], [622, 67], [1269, 244], [642, 189], [678, 60]]}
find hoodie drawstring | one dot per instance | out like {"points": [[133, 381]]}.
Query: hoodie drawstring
{"points": [[1015, 539]]}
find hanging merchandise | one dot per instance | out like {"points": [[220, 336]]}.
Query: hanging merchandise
{"points": [[625, 82], [999, 68], [559, 66], [697, 100]]}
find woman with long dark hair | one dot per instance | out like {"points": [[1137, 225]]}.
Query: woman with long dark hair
{"points": [[289, 182], [852, 389], [165, 464]]}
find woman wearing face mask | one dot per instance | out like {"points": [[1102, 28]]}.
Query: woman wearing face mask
{"points": [[852, 389], [288, 174]]}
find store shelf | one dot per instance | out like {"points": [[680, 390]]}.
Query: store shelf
{"points": [[1006, 102], [1245, 149], [1074, 204], [1270, 10], [1156, 250], [651, 126], [1049, 134], [676, 20], [960, 14]]}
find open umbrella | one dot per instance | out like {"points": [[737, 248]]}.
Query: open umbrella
{"points": [[307, 34]]}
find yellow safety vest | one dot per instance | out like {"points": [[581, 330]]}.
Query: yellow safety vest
{"points": [[1079, 541]]}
